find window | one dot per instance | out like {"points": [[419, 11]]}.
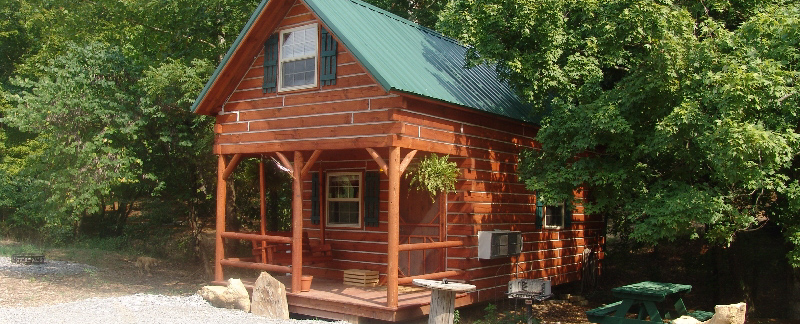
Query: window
{"points": [[298, 58], [344, 199], [554, 216]]}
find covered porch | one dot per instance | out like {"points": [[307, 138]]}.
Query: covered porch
{"points": [[329, 296]]}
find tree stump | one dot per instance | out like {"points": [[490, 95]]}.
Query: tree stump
{"points": [[443, 298]]}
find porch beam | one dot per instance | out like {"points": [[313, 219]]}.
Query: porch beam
{"points": [[432, 245], [407, 161], [432, 276], [232, 166], [310, 162], [285, 163], [392, 266], [222, 193], [297, 223], [379, 160]]}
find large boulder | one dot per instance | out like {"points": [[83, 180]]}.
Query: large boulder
{"points": [[728, 314], [269, 298], [234, 296]]}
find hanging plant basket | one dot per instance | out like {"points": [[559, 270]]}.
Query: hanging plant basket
{"points": [[435, 175]]}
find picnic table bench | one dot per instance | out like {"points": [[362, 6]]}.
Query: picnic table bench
{"points": [[640, 299]]}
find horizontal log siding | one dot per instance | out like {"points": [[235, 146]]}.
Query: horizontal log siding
{"points": [[490, 196], [353, 247], [355, 112]]}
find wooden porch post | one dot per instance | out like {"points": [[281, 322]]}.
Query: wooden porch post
{"points": [[222, 194], [297, 222], [262, 189], [394, 227]]}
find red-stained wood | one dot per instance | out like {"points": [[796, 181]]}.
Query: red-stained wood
{"points": [[297, 222], [231, 166], [222, 194], [394, 226], [248, 48]]}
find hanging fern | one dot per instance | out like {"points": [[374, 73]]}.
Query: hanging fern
{"points": [[435, 175]]}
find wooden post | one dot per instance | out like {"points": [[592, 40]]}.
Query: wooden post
{"points": [[222, 194], [262, 189], [443, 299], [297, 222], [394, 227]]}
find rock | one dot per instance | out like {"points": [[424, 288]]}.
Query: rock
{"points": [[269, 298], [728, 314], [685, 319], [234, 296]]}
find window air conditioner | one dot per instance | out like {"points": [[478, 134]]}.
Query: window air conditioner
{"points": [[499, 244]]}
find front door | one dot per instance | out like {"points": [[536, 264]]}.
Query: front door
{"points": [[420, 222]]}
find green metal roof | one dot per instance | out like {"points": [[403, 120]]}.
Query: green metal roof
{"points": [[407, 57], [403, 56]]}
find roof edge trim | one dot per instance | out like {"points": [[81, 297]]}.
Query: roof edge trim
{"points": [[235, 46]]}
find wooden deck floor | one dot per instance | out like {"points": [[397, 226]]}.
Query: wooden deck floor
{"points": [[331, 299], [334, 300]]}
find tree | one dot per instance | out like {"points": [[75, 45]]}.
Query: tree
{"points": [[423, 12], [679, 116]]}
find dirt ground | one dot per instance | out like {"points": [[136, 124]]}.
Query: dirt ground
{"points": [[117, 275]]}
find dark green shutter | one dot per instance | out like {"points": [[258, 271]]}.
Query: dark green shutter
{"points": [[327, 59], [372, 199], [315, 198], [539, 212], [567, 215], [271, 64]]}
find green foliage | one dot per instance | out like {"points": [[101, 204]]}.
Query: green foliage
{"points": [[435, 175], [492, 316], [679, 117], [423, 12]]}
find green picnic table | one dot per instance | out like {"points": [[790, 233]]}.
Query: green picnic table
{"points": [[641, 298]]}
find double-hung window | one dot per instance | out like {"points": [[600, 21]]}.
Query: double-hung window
{"points": [[554, 216], [298, 58], [344, 199]]}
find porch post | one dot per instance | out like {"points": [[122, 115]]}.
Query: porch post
{"points": [[262, 190], [297, 222], [222, 194], [394, 227]]}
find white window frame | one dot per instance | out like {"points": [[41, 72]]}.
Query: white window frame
{"points": [[358, 199], [281, 60], [549, 210]]}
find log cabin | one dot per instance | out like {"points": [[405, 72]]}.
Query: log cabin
{"points": [[345, 97]]}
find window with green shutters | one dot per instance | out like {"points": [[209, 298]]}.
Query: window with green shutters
{"points": [[552, 216], [298, 58], [343, 199]]}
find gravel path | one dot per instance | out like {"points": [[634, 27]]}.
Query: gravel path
{"points": [[49, 267], [139, 308]]}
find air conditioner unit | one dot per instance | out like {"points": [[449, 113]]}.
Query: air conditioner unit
{"points": [[499, 244], [539, 289]]}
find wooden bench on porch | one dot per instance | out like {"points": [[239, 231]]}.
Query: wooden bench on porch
{"points": [[281, 253]]}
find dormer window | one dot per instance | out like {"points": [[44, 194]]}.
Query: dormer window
{"points": [[298, 58]]}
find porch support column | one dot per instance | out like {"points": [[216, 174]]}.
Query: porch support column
{"points": [[262, 190], [222, 194], [297, 222], [394, 226]]}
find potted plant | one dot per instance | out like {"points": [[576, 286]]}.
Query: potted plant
{"points": [[435, 175]]}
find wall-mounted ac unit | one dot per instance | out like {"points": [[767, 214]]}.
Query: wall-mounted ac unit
{"points": [[499, 244], [539, 289]]}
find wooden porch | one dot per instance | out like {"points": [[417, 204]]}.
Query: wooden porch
{"points": [[331, 299]]}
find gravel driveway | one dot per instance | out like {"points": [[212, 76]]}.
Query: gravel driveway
{"points": [[138, 308]]}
